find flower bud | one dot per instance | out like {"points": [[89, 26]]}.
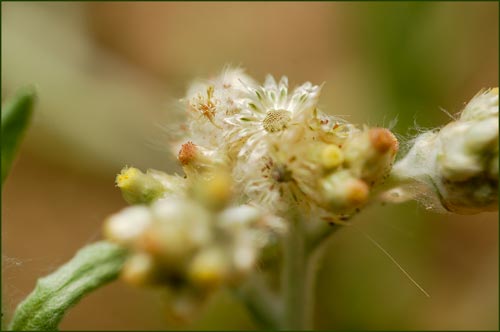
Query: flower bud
{"points": [[137, 187], [126, 226], [178, 229], [175, 185], [209, 268], [369, 154], [343, 192], [483, 105], [458, 165], [482, 135], [468, 145], [139, 270], [331, 156], [188, 153], [239, 217], [197, 159], [383, 140], [214, 191], [463, 147]]}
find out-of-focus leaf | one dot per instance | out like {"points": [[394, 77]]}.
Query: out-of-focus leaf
{"points": [[16, 114]]}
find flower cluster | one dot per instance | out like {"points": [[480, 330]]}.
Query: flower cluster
{"points": [[252, 153], [280, 148], [248, 153], [185, 236]]}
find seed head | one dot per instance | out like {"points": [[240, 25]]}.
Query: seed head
{"points": [[276, 120]]}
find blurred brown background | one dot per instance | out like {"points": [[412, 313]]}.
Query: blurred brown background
{"points": [[106, 76]]}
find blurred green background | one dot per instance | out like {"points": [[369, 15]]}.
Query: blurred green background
{"points": [[107, 75]]}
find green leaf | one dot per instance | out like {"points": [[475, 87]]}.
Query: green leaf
{"points": [[16, 114], [92, 267]]}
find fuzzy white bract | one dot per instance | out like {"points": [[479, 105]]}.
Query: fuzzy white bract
{"points": [[456, 168]]}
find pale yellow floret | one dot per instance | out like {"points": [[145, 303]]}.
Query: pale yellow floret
{"points": [[137, 187], [126, 177], [209, 268], [331, 156], [214, 192], [139, 270]]}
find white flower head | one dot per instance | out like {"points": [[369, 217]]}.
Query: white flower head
{"points": [[209, 102], [268, 110], [275, 141]]}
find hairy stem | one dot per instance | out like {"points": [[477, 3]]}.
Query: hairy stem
{"points": [[92, 267]]}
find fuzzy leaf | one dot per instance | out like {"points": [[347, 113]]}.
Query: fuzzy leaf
{"points": [[92, 267]]}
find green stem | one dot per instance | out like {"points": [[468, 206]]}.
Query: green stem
{"points": [[319, 235], [261, 303], [297, 293], [92, 267]]}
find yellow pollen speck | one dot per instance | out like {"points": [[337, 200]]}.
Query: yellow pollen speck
{"points": [[209, 268], [126, 177]]}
